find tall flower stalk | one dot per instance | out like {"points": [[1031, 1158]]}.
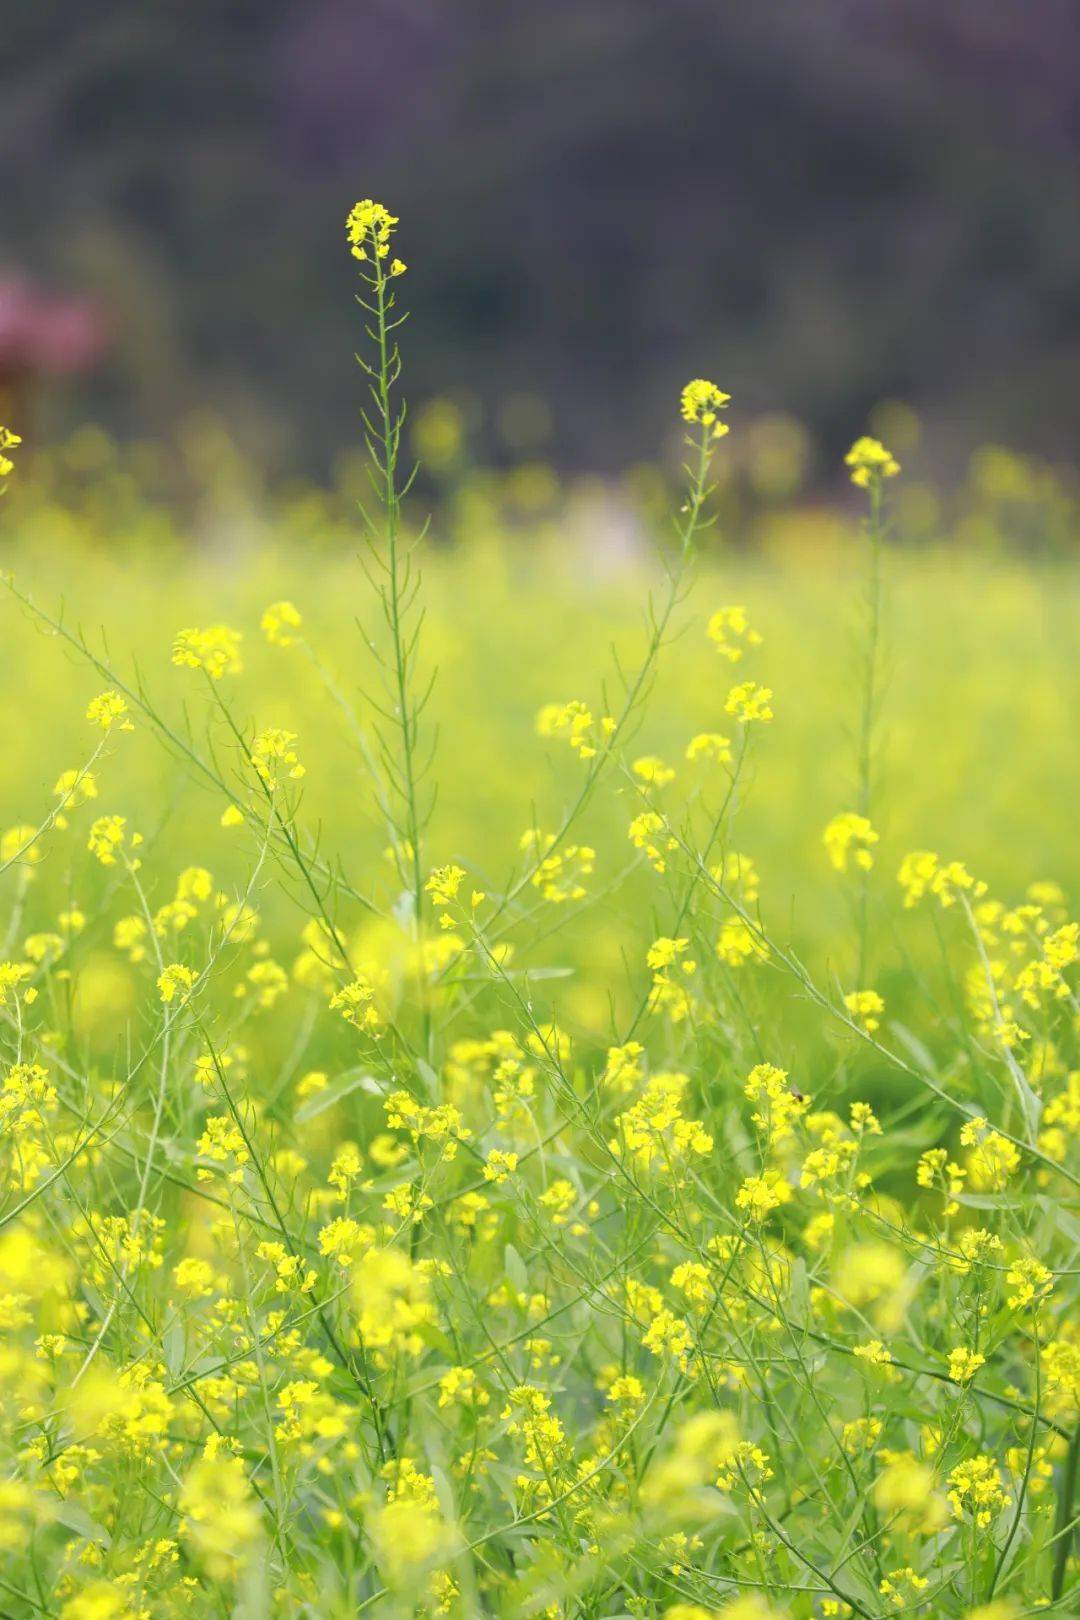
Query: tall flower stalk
{"points": [[370, 228], [870, 465]]}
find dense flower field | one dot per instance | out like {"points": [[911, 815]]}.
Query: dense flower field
{"points": [[534, 1084]]}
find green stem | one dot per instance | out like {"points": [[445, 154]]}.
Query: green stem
{"points": [[869, 713], [1063, 1526], [395, 606]]}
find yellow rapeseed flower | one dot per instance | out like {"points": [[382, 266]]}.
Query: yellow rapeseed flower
{"points": [[700, 402], [215, 649], [369, 228], [870, 462]]}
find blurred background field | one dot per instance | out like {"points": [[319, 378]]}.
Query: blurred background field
{"points": [[531, 582]]}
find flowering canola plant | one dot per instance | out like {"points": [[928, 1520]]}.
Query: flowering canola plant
{"points": [[375, 1239]]}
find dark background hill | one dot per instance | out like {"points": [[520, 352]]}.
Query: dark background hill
{"points": [[823, 203]]}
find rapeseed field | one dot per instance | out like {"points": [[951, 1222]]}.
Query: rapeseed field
{"points": [[538, 1078]]}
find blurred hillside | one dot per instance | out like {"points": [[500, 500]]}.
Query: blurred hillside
{"points": [[824, 203]]}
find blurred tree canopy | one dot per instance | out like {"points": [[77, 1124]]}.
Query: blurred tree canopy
{"points": [[820, 202]]}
